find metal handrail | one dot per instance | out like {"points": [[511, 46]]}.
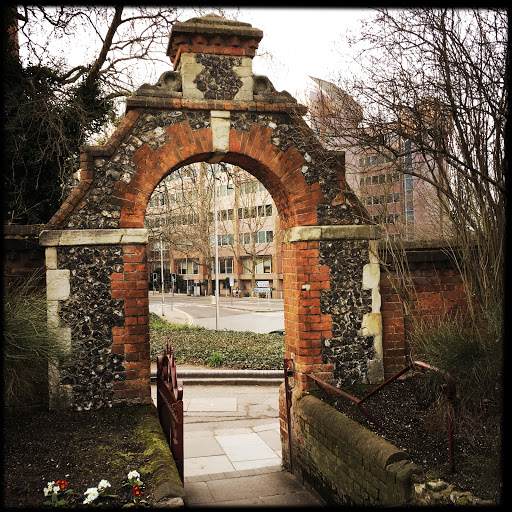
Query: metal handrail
{"points": [[450, 393], [288, 372]]}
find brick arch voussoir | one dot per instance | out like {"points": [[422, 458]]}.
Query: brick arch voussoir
{"points": [[280, 172], [185, 146]]}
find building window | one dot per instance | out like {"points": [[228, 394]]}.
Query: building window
{"points": [[265, 210], [382, 199], [263, 265], [185, 219], [408, 184], [193, 267], [225, 266], [153, 221], [390, 218], [261, 237], [227, 189], [375, 160], [157, 200], [224, 215], [379, 179], [251, 187], [222, 240], [225, 239]]}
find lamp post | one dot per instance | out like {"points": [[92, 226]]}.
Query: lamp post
{"points": [[216, 247], [186, 268], [162, 271]]}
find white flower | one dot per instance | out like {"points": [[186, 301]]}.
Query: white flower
{"points": [[103, 485], [56, 488], [91, 495], [133, 474], [49, 488]]}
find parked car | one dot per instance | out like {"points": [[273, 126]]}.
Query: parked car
{"points": [[277, 331]]}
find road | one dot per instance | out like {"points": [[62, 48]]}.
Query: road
{"points": [[237, 314]]}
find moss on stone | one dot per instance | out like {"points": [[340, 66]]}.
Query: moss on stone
{"points": [[162, 467]]}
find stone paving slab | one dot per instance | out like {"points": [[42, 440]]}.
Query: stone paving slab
{"points": [[255, 464], [213, 404], [267, 426], [245, 447], [256, 486], [272, 438], [233, 456], [202, 447], [269, 486], [212, 464], [292, 499], [234, 474]]}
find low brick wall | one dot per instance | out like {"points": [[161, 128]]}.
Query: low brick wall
{"points": [[435, 291], [346, 463]]}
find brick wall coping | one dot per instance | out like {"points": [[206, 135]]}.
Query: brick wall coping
{"points": [[417, 251], [52, 238], [355, 462], [22, 229], [347, 232]]}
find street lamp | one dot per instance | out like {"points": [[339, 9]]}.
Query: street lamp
{"points": [[162, 271], [215, 168]]}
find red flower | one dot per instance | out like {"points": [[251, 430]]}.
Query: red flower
{"points": [[136, 491], [62, 484]]}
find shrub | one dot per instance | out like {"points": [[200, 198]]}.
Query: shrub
{"points": [[473, 355], [215, 359], [30, 344], [198, 345]]}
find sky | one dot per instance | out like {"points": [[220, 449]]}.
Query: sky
{"points": [[302, 42], [297, 42]]}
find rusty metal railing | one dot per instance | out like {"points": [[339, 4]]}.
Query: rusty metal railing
{"points": [[170, 404], [288, 372], [450, 394]]}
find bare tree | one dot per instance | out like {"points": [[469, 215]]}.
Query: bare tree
{"points": [[251, 208], [67, 71], [435, 80], [182, 214]]}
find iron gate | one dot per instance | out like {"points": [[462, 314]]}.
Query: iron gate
{"points": [[169, 404]]}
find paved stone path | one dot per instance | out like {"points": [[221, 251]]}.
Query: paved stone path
{"points": [[233, 449]]}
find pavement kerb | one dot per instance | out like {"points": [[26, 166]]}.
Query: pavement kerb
{"points": [[173, 315], [232, 382], [190, 320]]}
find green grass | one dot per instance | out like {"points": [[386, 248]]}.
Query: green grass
{"points": [[208, 347]]}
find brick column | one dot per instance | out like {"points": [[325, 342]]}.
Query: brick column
{"points": [[132, 340], [309, 301], [305, 325], [393, 327]]}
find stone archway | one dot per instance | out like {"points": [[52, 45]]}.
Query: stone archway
{"points": [[211, 108]]}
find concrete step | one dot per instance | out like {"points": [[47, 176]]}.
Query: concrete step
{"points": [[187, 373], [230, 381]]}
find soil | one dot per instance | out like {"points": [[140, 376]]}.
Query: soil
{"points": [[81, 448], [84, 448], [416, 422]]}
